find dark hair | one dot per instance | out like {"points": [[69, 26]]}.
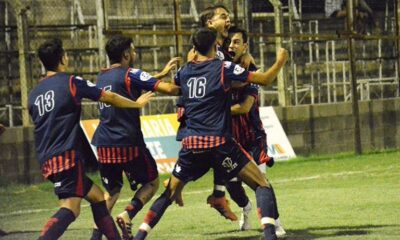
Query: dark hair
{"points": [[204, 39], [209, 13], [116, 46], [50, 53], [235, 29]]}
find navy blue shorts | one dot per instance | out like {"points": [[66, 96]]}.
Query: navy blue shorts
{"points": [[228, 159], [72, 182], [140, 170]]}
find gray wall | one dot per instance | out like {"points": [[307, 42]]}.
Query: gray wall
{"points": [[312, 129]]}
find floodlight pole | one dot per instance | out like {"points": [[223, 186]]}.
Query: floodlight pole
{"points": [[353, 77], [178, 28], [100, 34], [397, 15], [283, 97], [22, 31]]}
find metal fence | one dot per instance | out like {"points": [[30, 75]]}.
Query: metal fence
{"points": [[318, 70]]}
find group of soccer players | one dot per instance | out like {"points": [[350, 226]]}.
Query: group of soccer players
{"points": [[220, 129]]}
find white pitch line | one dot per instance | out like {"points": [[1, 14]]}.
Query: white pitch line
{"points": [[85, 205]]}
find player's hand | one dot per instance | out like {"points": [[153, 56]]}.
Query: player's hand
{"points": [[169, 66], [282, 56], [144, 99], [246, 60]]}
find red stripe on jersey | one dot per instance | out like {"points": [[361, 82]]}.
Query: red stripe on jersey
{"points": [[67, 160], [119, 153], [73, 158], [202, 142], [136, 152], [250, 77], [108, 155], [128, 83], [54, 163], [60, 164], [211, 141], [113, 156], [130, 153], [72, 89], [124, 154], [156, 85], [150, 171]]}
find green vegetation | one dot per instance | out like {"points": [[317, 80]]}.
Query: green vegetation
{"points": [[323, 197]]}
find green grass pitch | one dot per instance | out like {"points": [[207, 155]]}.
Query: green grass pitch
{"points": [[325, 197]]}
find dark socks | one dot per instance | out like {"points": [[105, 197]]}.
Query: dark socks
{"points": [[237, 193], [276, 212], [57, 224], [134, 207], [104, 221], [153, 216], [265, 208]]}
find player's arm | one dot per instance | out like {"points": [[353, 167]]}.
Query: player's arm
{"points": [[266, 78], [119, 101], [168, 67], [243, 107], [168, 88], [191, 56]]}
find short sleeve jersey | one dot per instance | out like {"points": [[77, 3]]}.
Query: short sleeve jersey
{"points": [[121, 126], [206, 98], [55, 107]]}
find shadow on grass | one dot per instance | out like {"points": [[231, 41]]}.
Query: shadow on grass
{"points": [[310, 233]]}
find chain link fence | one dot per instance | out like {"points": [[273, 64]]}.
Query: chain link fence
{"points": [[318, 70]]}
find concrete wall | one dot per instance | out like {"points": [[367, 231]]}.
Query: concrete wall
{"points": [[328, 128], [316, 129]]}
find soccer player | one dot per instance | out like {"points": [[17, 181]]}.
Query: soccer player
{"points": [[55, 107], [207, 141], [248, 130], [119, 139]]}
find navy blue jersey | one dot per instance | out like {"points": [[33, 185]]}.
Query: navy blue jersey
{"points": [[223, 54], [121, 126], [248, 127], [206, 98], [54, 105]]}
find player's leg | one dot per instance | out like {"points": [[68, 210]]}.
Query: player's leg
{"points": [[260, 155], [217, 199], [252, 176], [59, 222], [111, 177], [189, 167], [143, 171], [172, 193], [238, 195], [239, 163]]}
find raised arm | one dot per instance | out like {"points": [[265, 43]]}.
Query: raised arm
{"points": [[119, 101], [266, 78], [171, 64]]}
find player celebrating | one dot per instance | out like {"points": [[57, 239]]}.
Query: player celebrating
{"points": [[55, 107], [207, 141], [119, 139], [248, 130]]}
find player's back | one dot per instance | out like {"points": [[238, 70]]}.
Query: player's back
{"points": [[55, 113], [205, 100], [118, 126]]}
